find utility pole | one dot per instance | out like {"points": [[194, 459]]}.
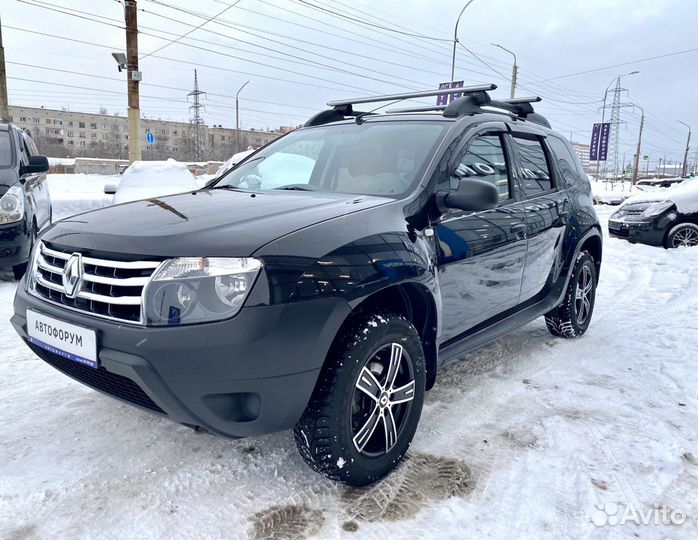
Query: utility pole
{"points": [[647, 168], [134, 77], [237, 118], [514, 70], [639, 145], [685, 154], [197, 121], [4, 107]]}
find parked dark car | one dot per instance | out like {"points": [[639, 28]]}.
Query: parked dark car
{"points": [[668, 218], [327, 304], [25, 204]]}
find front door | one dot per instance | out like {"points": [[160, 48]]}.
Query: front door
{"points": [[481, 255]]}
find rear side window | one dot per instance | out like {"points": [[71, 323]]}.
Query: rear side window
{"points": [[484, 159], [566, 163], [534, 170]]}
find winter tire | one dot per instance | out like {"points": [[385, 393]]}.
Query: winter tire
{"points": [[572, 317], [684, 234], [367, 403]]}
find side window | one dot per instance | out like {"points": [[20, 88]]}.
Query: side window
{"points": [[566, 162], [534, 171], [484, 159]]}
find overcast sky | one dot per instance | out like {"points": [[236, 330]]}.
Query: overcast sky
{"points": [[297, 56]]}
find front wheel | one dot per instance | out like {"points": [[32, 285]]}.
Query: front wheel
{"points": [[367, 403], [572, 317], [684, 234]]}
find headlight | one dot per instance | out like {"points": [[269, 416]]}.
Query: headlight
{"points": [[12, 205], [193, 290], [657, 208]]}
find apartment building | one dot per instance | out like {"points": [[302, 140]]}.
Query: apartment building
{"points": [[60, 133], [582, 151]]}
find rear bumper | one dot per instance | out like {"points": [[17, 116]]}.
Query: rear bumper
{"points": [[250, 375], [15, 242]]}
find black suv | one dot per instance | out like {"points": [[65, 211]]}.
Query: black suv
{"points": [[322, 283], [25, 205]]}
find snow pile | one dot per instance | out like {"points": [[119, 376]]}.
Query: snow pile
{"points": [[683, 195], [526, 438], [148, 179], [76, 193], [232, 161]]}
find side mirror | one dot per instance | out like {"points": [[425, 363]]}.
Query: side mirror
{"points": [[37, 164], [472, 195], [110, 189]]}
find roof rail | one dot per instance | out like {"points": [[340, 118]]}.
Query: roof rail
{"points": [[472, 102], [413, 95]]}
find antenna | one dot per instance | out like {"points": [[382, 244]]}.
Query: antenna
{"points": [[195, 108]]}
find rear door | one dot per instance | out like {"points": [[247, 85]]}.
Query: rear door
{"points": [[481, 255], [546, 208]]}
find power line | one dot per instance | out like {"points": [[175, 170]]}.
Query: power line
{"points": [[192, 30], [647, 59]]}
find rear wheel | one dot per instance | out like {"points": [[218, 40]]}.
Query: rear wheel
{"points": [[684, 234], [572, 317], [366, 406]]}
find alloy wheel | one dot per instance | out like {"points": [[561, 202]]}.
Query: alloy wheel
{"points": [[687, 236], [585, 284], [382, 400]]}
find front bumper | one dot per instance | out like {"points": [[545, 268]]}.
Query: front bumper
{"points": [[247, 376], [15, 240], [644, 232]]}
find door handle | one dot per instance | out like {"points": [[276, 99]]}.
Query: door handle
{"points": [[518, 228], [561, 219]]}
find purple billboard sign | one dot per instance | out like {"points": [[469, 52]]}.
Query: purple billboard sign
{"points": [[603, 141], [445, 99], [598, 148]]}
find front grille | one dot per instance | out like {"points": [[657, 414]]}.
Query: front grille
{"points": [[99, 379], [109, 288]]}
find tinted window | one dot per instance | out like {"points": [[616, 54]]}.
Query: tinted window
{"points": [[566, 162], [5, 149], [534, 170], [484, 159], [381, 158]]}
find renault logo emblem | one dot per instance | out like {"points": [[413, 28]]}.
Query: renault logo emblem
{"points": [[72, 275]]}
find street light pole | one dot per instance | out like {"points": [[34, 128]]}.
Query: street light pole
{"points": [[685, 155], [237, 118], [514, 69], [603, 114], [639, 143], [455, 40]]}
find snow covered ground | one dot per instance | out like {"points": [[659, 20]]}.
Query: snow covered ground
{"points": [[525, 438]]}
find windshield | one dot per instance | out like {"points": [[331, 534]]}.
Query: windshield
{"points": [[379, 158], [5, 149]]}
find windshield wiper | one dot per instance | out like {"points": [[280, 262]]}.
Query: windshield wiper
{"points": [[227, 186], [298, 187]]}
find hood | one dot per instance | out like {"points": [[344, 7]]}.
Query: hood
{"points": [[684, 195], [214, 222]]}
